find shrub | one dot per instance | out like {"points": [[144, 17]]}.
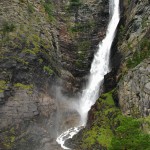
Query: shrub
{"points": [[7, 27], [48, 70]]}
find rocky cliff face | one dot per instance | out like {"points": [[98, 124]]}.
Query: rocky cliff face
{"points": [[134, 96], [135, 49], [82, 27], [43, 43], [47, 43], [127, 85]]}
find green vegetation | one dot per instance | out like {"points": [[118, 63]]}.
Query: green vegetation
{"points": [[49, 9], [30, 8], [3, 85], [74, 5], [48, 70], [129, 136], [97, 135], [21, 60], [28, 51], [144, 21], [142, 53], [23, 86], [101, 130], [112, 130], [40, 61], [32, 40], [9, 138], [83, 46], [30, 44], [122, 31], [7, 27]]}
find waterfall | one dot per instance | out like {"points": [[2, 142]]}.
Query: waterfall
{"points": [[99, 68]]}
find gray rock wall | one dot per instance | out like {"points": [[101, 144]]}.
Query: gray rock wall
{"points": [[134, 71], [134, 91], [37, 45], [24, 106], [135, 27]]}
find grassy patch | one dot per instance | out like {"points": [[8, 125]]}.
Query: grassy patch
{"points": [[105, 137], [21, 60], [48, 70], [9, 138], [40, 60], [23, 86], [101, 129], [3, 85], [130, 136]]}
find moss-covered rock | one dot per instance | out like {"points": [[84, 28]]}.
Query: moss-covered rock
{"points": [[106, 126], [8, 137]]}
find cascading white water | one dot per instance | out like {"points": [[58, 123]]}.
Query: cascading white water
{"points": [[99, 68]]}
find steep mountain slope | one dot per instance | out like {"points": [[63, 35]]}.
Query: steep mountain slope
{"points": [[134, 86], [120, 118], [44, 45]]}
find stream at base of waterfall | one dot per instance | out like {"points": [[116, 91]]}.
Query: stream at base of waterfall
{"points": [[99, 68]]}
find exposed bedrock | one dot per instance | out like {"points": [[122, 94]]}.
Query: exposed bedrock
{"points": [[44, 46]]}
